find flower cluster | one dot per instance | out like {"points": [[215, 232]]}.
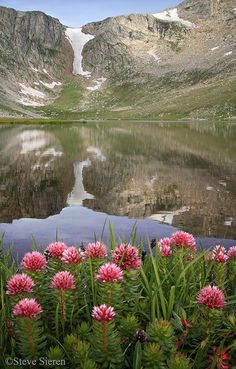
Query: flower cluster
{"points": [[56, 249], [110, 273], [19, 283], [212, 297], [165, 246], [219, 254], [63, 281], [71, 256], [103, 313], [126, 256], [33, 262], [27, 308], [183, 239], [232, 253], [95, 251], [220, 357]]}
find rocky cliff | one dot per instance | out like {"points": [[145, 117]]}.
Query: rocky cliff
{"points": [[174, 64]]}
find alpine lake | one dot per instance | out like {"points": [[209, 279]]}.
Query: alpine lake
{"points": [[73, 181]]}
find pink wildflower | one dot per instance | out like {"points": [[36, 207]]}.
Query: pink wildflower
{"points": [[212, 297], [103, 313], [232, 252], [33, 261], [219, 254], [63, 281], [27, 308], [71, 256], [166, 241], [183, 239], [110, 273], [95, 251], [126, 256], [220, 357], [56, 249], [19, 283]]}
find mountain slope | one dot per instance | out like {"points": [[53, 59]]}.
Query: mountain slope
{"points": [[176, 64]]}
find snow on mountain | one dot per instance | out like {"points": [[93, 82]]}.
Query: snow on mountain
{"points": [[77, 40], [171, 15], [97, 84]]}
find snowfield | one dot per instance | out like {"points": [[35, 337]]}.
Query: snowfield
{"points": [[50, 85], [228, 53], [29, 96], [77, 40], [31, 91], [171, 15]]}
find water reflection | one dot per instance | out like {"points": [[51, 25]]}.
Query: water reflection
{"points": [[183, 174]]}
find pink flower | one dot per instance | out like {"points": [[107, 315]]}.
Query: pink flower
{"points": [[183, 239], [110, 273], [165, 246], [232, 252], [95, 251], [126, 256], [56, 249], [212, 297], [33, 261], [63, 281], [27, 308], [166, 241], [103, 313], [71, 256], [220, 358], [219, 254], [19, 283]]}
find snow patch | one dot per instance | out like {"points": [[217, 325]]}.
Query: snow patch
{"points": [[96, 152], [45, 71], [79, 194], [97, 84], [228, 222], [34, 69], [52, 152], [50, 85], [168, 216], [215, 48], [154, 55], [228, 53], [27, 102], [171, 15], [78, 40], [31, 91], [31, 141], [210, 188]]}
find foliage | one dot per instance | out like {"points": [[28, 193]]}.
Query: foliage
{"points": [[158, 320]]}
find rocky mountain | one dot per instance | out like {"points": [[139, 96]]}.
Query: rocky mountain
{"points": [[179, 63]]}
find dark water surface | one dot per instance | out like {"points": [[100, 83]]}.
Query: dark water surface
{"points": [[67, 178]]}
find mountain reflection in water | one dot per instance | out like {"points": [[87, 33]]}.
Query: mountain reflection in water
{"points": [[183, 174]]}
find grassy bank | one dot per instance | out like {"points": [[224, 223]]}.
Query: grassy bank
{"points": [[120, 307]]}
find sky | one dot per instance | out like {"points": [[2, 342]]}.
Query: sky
{"points": [[76, 13]]}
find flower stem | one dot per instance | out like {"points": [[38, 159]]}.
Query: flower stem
{"points": [[104, 337], [62, 304], [29, 335]]}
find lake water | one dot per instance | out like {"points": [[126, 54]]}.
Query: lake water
{"points": [[68, 179]]}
